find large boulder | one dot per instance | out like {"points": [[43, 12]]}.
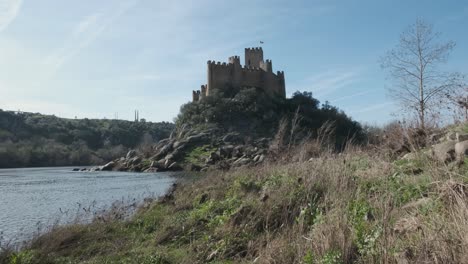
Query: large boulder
{"points": [[226, 151], [445, 151], [163, 151], [461, 149], [198, 138], [238, 151], [232, 138], [131, 154], [259, 158], [135, 160], [242, 161], [108, 167]]}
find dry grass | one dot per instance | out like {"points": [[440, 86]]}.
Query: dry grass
{"points": [[358, 206]]}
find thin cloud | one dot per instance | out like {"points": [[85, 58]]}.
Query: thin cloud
{"points": [[85, 33], [353, 95], [329, 81], [9, 10], [144, 77], [372, 107]]}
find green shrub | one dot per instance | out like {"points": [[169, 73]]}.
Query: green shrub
{"points": [[251, 111]]}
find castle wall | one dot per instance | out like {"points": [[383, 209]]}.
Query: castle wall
{"points": [[224, 75], [233, 74], [219, 75]]}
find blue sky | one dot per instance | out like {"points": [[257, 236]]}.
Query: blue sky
{"points": [[93, 59]]}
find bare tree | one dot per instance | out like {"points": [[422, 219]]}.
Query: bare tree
{"points": [[460, 102], [421, 86]]}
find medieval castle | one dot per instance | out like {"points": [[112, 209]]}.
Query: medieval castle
{"points": [[256, 73]]}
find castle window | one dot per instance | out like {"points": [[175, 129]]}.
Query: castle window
{"points": [[249, 62]]}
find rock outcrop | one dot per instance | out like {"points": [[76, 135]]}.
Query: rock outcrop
{"points": [[445, 147], [445, 151], [195, 151]]}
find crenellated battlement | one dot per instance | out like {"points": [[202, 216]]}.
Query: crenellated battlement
{"points": [[256, 72], [254, 49], [234, 60], [218, 64], [249, 68]]}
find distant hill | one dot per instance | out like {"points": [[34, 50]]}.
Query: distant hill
{"points": [[35, 140]]}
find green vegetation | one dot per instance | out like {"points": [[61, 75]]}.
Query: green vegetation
{"points": [[252, 112], [34, 140], [198, 155], [356, 207]]}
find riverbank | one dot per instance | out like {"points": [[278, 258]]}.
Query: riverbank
{"points": [[35, 198], [359, 206]]}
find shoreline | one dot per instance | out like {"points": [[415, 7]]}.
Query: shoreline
{"points": [[73, 210]]}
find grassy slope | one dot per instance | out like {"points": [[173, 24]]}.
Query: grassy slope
{"points": [[355, 207]]}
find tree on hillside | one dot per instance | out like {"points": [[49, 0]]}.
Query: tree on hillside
{"points": [[421, 86]]}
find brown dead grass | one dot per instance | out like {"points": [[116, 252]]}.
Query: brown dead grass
{"points": [[309, 205]]}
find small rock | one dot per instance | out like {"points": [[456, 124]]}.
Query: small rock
{"points": [[232, 138], [461, 137], [409, 156], [152, 170], [262, 142], [212, 256], [76, 169], [261, 159], [445, 151], [256, 158], [435, 138], [451, 136], [407, 225], [242, 161], [461, 149]]}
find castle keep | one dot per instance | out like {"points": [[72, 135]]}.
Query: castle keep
{"points": [[255, 73]]}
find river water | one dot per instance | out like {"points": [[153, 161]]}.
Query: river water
{"points": [[34, 198]]}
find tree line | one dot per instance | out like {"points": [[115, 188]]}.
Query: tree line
{"points": [[35, 140]]}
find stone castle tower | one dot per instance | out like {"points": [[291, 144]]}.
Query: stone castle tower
{"points": [[255, 73]]}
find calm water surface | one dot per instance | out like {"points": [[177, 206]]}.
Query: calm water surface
{"points": [[35, 197]]}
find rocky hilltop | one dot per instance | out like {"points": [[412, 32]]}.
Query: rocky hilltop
{"points": [[238, 128]]}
